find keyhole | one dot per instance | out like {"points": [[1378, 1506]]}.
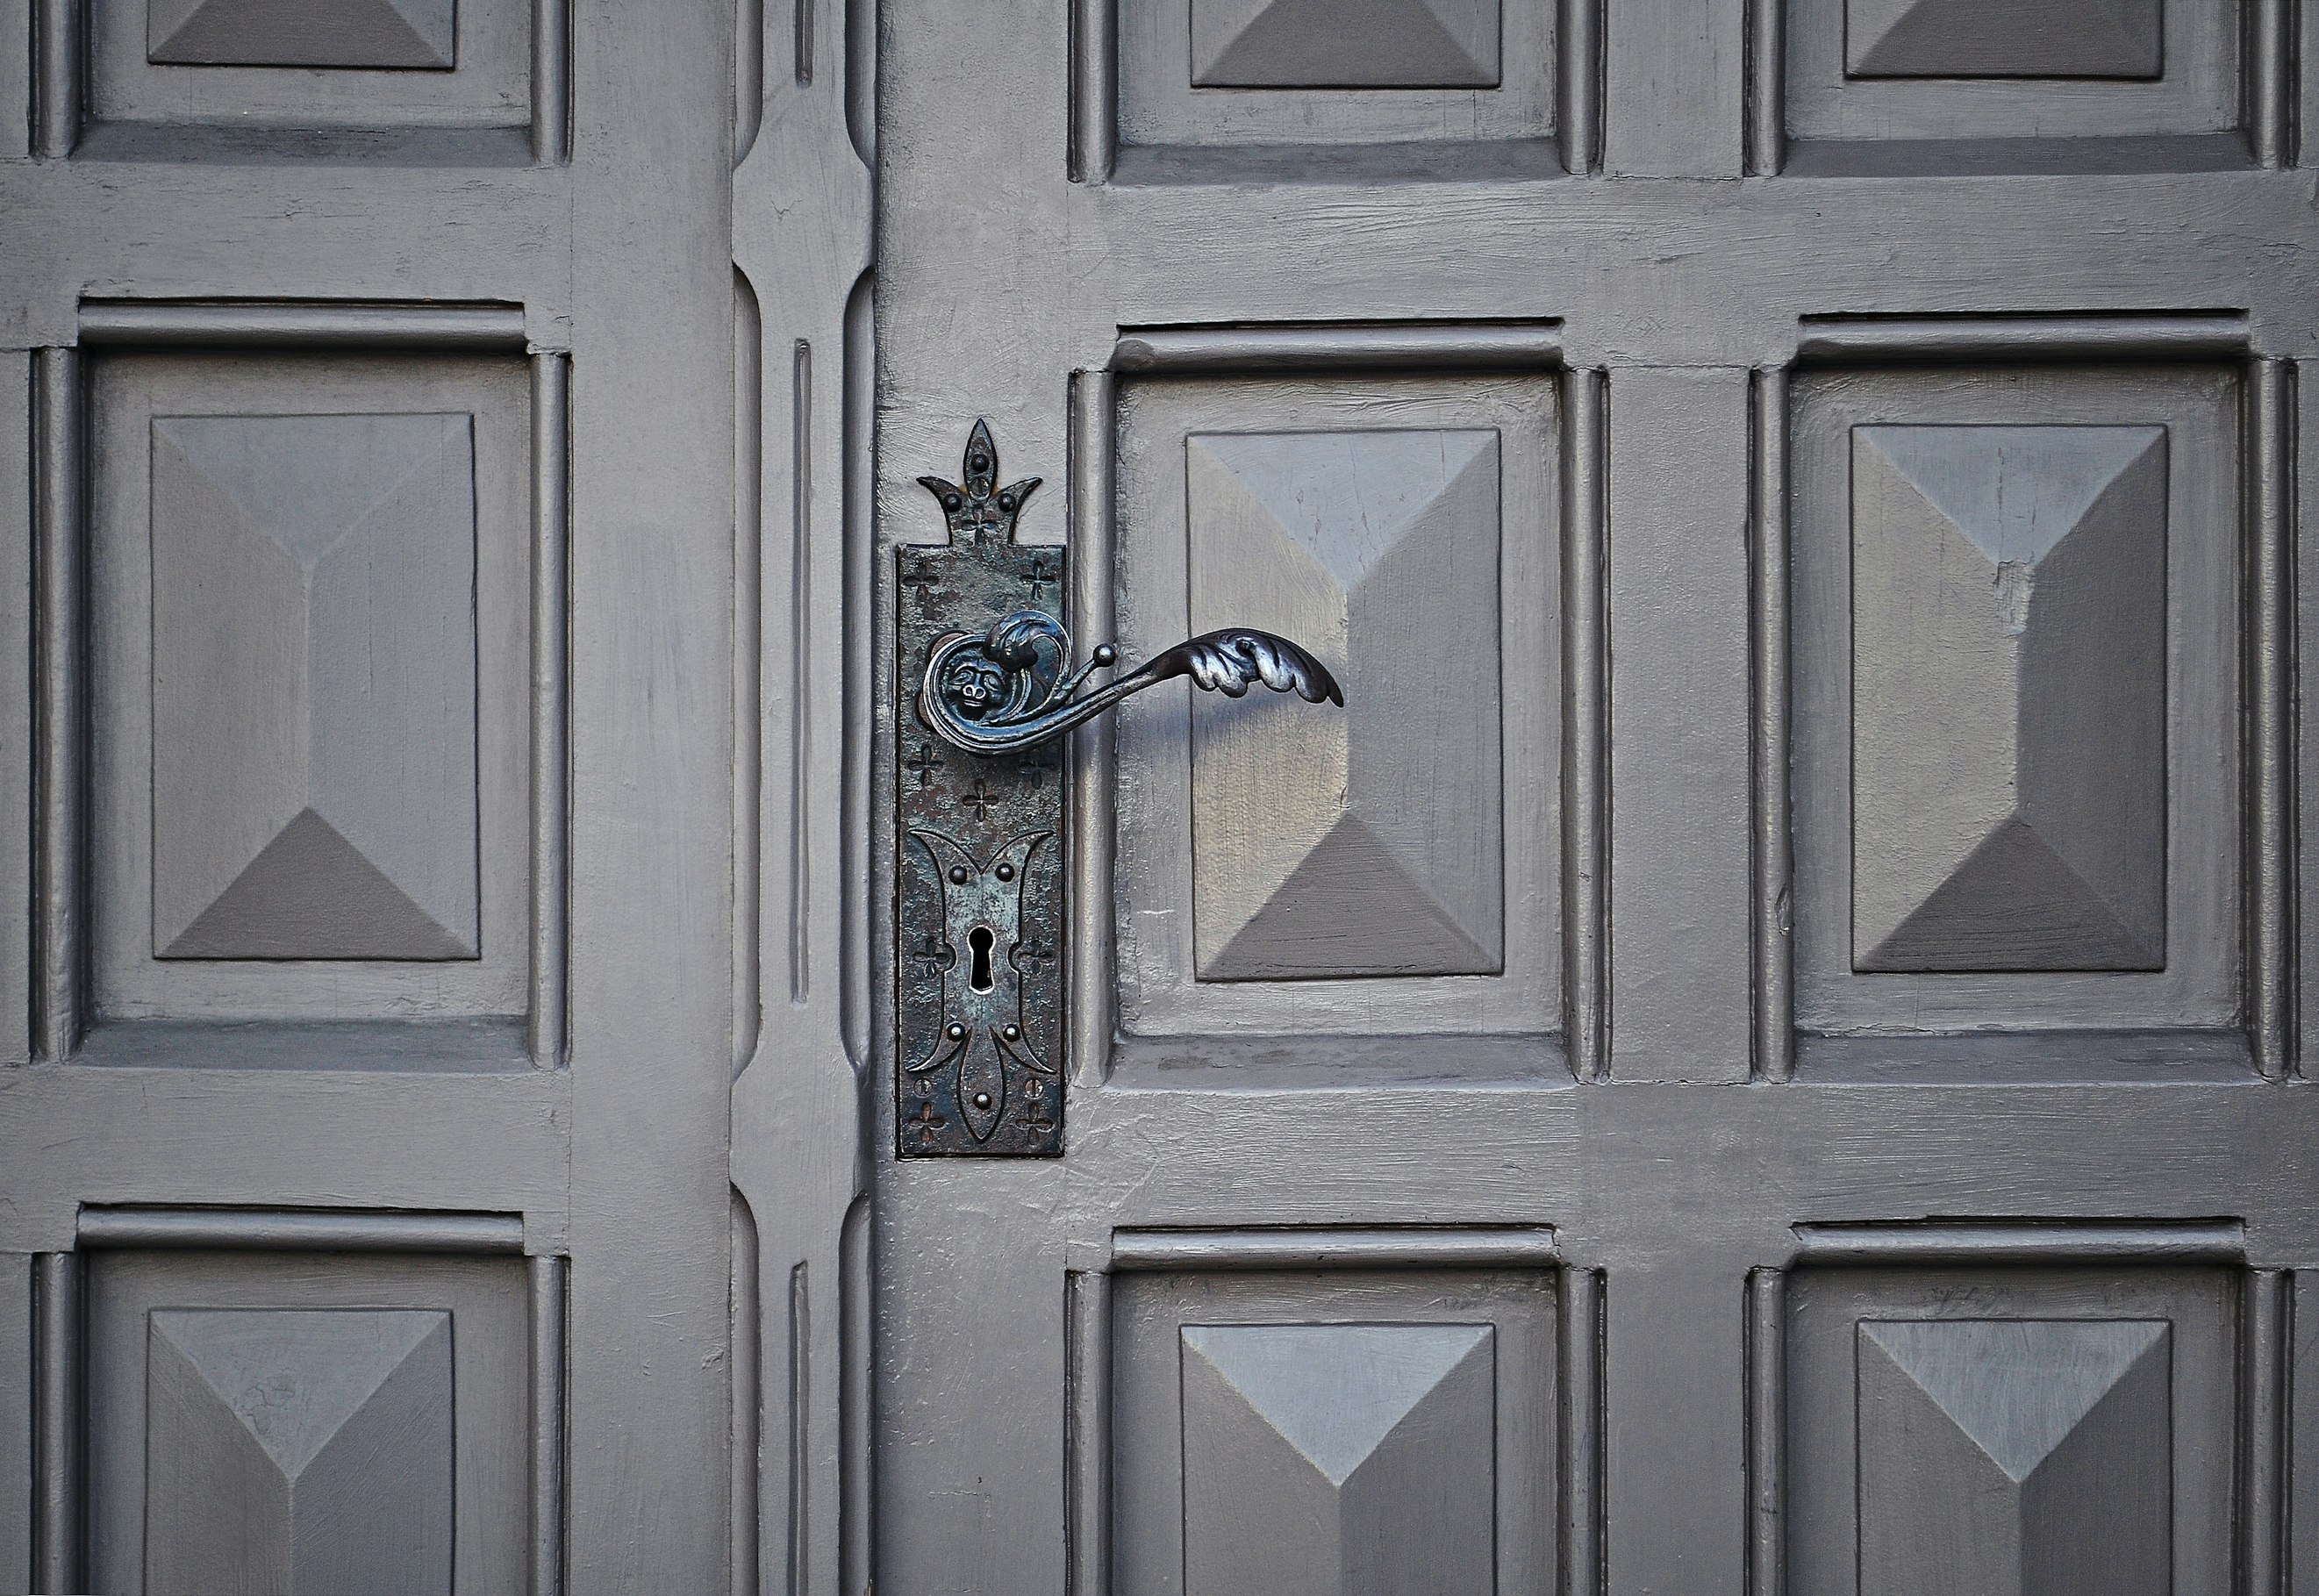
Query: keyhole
{"points": [[978, 944]]}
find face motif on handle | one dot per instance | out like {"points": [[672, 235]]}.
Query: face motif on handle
{"points": [[974, 687]]}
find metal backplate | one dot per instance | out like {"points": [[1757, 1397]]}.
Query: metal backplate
{"points": [[978, 845]]}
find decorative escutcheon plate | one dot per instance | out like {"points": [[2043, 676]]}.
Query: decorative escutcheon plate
{"points": [[978, 858], [988, 691]]}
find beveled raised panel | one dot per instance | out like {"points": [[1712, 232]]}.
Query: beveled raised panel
{"points": [[1344, 43], [2021, 1458], [1386, 866], [2054, 1427], [2012, 39], [1994, 86], [2017, 756], [374, 33], [1339, 1458], [310, 595], [314, 687], [1367, 842], [1267, 86], [431, 82], [313, 1423], [2008, 704], [299, 1452], [1337, 1432]]}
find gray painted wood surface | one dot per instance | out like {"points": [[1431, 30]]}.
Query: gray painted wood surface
{"points": [[936, 1374], [1706, 303], [531, 807]]}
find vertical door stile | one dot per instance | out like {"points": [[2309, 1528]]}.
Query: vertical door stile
{"points": [[801, 248]]}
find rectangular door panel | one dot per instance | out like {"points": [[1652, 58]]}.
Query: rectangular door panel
{"points": [[1324, 1433], [391, 80], [310, 592], [295, 1422], [1390, 867], [2018, 601], [2013, 1430], [1935, 85], [1216, 87]]}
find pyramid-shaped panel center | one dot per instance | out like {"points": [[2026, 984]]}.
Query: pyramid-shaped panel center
{"points": [[1334, 1392], [2016, 1388], [314, 687], [1367, 842], [294, 1376]]}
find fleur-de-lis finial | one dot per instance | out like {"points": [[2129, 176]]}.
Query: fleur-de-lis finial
{"points": [[974, 505]]}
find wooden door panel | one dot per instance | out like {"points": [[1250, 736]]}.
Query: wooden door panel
{"points": [[2056, 1428], [1474, 81], [1356, 1429], [292, 1421], [417, 79], [310, 591], [1928, 85], [1389, 868], [1927, 509]]}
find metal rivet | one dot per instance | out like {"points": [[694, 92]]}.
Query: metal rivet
{"points": [[955, 1031], [1105, 654], [1013, 1033], [958, 874], [1005, 872], [982, 1099]]}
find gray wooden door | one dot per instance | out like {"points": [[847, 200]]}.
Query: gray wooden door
{"points": [[364, 600], [1758, 1050]]}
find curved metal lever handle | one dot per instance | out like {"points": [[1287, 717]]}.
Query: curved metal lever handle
{"points": [[1009, 688]]}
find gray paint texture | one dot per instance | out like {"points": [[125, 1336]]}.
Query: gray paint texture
{"points": [[314, 687], [724, 692]]}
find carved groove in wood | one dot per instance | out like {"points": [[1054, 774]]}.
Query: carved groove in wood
{"points": [[2017, 38], [314, 712], [2015, 1456], [299, 1452], [1338, 1458], [373, 34], [1345, 43], [2010, 697], [1369, 843]]}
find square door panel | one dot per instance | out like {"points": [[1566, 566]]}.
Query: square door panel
{"points": [[309, 591], [2011, 1431], [1262, 77], [1384, 866], [1339, 1433], [2016, 763], [2029, 85], [295, 1422], [181, 80]]}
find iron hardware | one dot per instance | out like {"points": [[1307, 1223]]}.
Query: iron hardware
{"points": [[979, 813]]}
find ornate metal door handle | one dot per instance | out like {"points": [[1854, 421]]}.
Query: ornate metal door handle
{"points": [[980, 911], [1005, 689]]}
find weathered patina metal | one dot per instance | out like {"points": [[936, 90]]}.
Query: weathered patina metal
{"points": [[978, 858], [980, 807]]}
